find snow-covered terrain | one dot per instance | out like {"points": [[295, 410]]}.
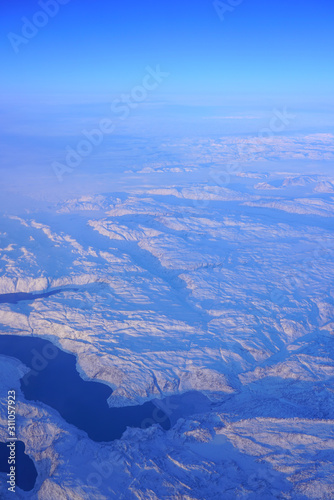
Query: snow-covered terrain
{"points": [[222, 289]]}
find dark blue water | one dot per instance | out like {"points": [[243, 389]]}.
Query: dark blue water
{"points": [[25, 470], [54, 380], [14, 298]]}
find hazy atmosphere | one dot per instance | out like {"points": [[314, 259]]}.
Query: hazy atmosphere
{"points": [[166, 250]]}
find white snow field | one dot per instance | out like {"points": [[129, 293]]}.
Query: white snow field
{"points": [[199, 288]]}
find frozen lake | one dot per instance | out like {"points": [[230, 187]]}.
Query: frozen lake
{"points": [[54, 380], [25, 471], [14, 298]]}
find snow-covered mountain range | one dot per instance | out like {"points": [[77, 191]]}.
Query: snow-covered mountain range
{"points": [[214, 298]]}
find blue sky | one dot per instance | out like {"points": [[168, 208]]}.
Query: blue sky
{"points": [[97, 49], [226, 76]]}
